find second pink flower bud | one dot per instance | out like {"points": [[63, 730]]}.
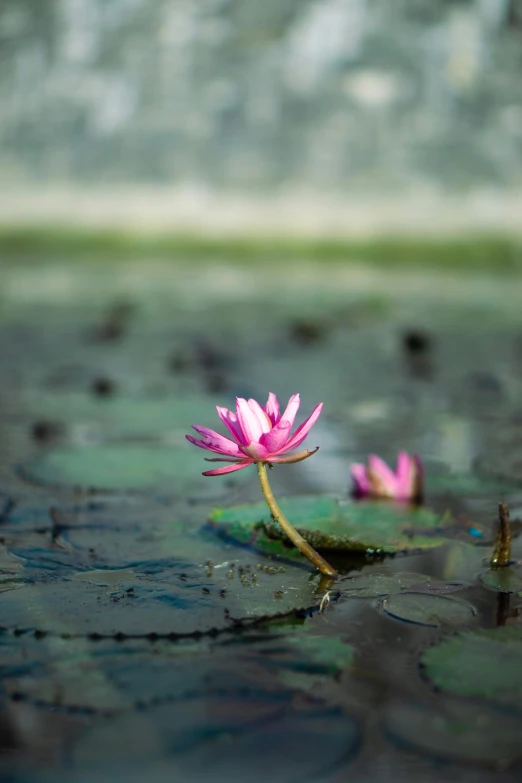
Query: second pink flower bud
{"points": [[377, 480]]}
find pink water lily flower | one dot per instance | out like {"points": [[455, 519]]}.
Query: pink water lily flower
{"points": [[377, 480], [259, 434]]}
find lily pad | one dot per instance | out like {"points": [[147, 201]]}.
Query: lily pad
{"points": [[468, 485], [483, 664], [329, 653], [503, 461], [160, 597], [430, 610], [223, 732], [503, 580], [305, 659], [104, 677], [328, 524], [305, 676], [456, 731], [119, 467], [114, 418], [371, 585]]}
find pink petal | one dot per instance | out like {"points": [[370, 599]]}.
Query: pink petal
{"points": [[230, 421], [412, 489], [360, 479], [264, 421], [406, 475], [255, 451], [228, 468], [301, 432], [222, 459], [200, 443], [299, 457], [291, 409], [274, 440], [272, 409], [248, 421], [216, 442], [384, 473]]}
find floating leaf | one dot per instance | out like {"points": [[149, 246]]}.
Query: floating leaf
{"points": [[483, 664], [112, 418], [306, 659], [468, 484], [162, 596], [373, 585], [332, 653], [226, 733], [503, 461], [503, 580], [427, 609], [119, 467], [456, 731], [329, 524]]}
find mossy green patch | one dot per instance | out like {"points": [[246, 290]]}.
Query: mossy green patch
{"points": [[497, 252]]}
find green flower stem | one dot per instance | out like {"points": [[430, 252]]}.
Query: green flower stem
{"points": [[303, 546]]}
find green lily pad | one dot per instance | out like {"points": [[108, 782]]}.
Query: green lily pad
{"points": [[372, 585], [456, 731], [328, 653], [328, 524], [161, 594], [468, 484], [503, 461], [113, 418], [119, 467], [106, 676], [483, 664], [430, 610], [503, 580], [305, 659], [227, 733]]}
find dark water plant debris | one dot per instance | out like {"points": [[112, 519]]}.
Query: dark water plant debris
{"points": [[502, 554]]}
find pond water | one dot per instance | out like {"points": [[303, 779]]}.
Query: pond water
{"points": [[146, 633]]}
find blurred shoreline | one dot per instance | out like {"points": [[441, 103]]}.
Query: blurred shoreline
{"points": [[288, 213]]}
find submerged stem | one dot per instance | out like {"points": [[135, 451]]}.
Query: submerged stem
{"points": [[303, 546]]}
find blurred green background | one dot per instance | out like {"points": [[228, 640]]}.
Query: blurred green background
{"points": [[323, 129]]}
